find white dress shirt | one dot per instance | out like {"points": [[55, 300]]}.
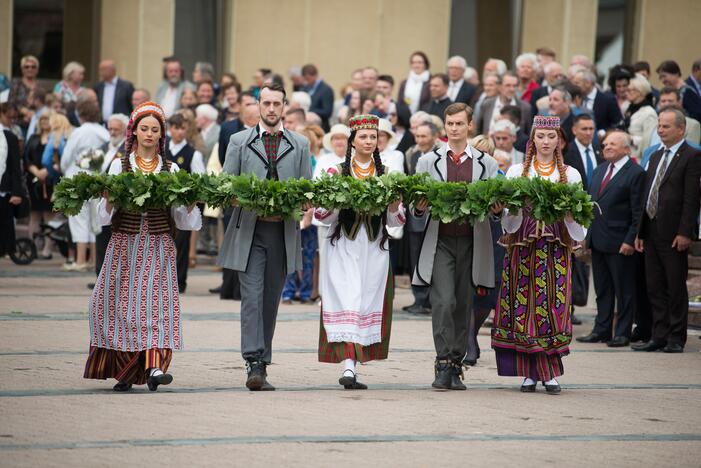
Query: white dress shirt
{"points": [[616, 167], [454, 89], [197, 163], [589, 99], [466, 154], [108, 98], [582, 154], [170, 101], [670, 156]]}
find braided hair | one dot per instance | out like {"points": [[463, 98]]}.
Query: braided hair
{"points": [[557, 156], [346, 171]]}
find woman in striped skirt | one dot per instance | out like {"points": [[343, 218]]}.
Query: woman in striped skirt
{"points": [[356, 310], [135, 307]]}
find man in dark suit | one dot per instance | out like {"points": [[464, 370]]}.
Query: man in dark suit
{"points": [[321, 94], [553, 75], [249, 116], [113, 93], [506, 96], [559, 104], [513, 115], [694, 79], [438, 87], [582, 153], [606, 112], [617, 187], [459, 90], [668, 223]]}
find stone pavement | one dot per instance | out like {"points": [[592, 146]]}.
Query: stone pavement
{"points": [[617, 408]]}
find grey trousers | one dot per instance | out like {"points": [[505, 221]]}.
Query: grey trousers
{"points": [[451, 296], [261, 288]]}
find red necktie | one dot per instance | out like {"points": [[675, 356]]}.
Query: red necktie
{"points": [[607, 179], [455, 157]]}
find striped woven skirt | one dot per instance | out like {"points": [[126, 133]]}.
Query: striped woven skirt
{"points": [[336, 352], [135, 306], [532, 324], [125, 366]]}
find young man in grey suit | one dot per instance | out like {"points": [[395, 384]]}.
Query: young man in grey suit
{"points": [[261, 249], [454, 258]]}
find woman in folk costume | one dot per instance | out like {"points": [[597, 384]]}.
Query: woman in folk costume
{"points": [[356, 310], [532, 325], [135, 307]]}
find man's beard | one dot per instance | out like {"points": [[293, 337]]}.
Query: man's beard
{"points": [[269, 123], [116, 142]]}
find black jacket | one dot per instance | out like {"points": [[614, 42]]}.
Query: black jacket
{"points": [[574, 159], [607, 114], [122, 96], [620, 205], [11, 181], [435, 107], [466, 93], [228, 128], [322, 103]]}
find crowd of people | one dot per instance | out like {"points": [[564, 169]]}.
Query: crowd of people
{"points": [[633, 147]]}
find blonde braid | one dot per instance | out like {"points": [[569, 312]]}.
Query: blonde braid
{"points": [[560, 165], [528, 159]]}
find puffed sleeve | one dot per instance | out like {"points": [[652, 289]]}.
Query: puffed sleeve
{"points": [[104, 217], [511, 222], [576, 230], [185, 221], [398, 218], [324, 217]]}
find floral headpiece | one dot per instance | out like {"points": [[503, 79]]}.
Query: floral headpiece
{"points": [[142, 110], [364, 121], [543, 121]]}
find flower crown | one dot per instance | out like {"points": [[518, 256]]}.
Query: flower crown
{"points": [[364, 121], [542, 121]]}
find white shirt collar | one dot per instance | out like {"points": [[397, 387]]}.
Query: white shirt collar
{"points": [[280, 128], [592, 94], [458, 83], [583, 148], [620, 163], [673, 150], [113, 81], [176, 147], [467, 152]]}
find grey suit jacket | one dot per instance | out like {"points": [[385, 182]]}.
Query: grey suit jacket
{"points": [[487, 109], [483, 167], [246, 155], [163, 87]]}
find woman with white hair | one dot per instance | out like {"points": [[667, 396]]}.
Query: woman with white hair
{"points": [[640, 117], [301, 100], [527, 71], [68, 89]]}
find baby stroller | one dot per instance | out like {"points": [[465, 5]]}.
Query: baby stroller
{"points": [[57, 230]]}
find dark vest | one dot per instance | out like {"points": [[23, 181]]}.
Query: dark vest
{"points": [[351, 221], [457, 173], [159, 221], [184, 157]]}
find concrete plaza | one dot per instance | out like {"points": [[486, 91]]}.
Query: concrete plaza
{"points": [[617, 408]]}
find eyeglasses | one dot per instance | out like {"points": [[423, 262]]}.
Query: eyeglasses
{"points": [[29, 67]]}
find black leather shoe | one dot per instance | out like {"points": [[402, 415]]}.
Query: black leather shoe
{"points": [[256, 375], [456, 377], [443, 375], [673, 348], [91, 286], [575, 320], [618, 342], [122, 387], [267, 386], [351, 382], [552, 389], [528, 388], [418, 309], [155, 380], [593, 338], [637, 336], [216, 290], [650, 346]]}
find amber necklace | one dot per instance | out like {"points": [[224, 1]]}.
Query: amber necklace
{"points": [[544, 169], [361, 173], [146, 166]]}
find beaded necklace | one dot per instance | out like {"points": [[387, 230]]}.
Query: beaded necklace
{"points": [[363, 173], [544, 169], [146, 166]]}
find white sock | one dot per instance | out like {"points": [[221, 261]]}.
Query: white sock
{"points": [[349, 365], [528, 381], [551, 382], [154, 371]]}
